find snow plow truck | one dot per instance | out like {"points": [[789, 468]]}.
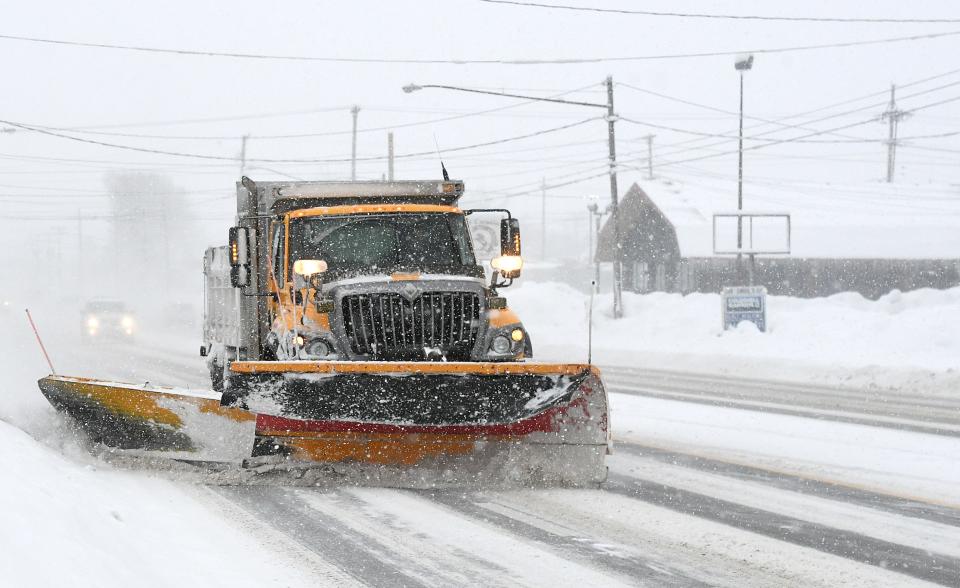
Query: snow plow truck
{"points": [[351, 327]]}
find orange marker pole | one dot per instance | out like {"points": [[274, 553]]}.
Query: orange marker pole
{"points": [[42, 348]]}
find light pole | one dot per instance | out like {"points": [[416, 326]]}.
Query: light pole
{"points": [[611, 118], [742, 64], [595, 214]]}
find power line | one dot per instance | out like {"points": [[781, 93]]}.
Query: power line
{"points": [[937, 149], [706, 107], [813, 111], [190, 121], [827, 117], [836, 199], [818, 19], [794, 139], [754, 138], [306, 135], [518, 61], [262, 160]]}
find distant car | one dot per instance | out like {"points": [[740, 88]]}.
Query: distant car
{"points": [[107, 319]]}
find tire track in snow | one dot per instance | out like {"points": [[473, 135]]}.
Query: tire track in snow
{"points": [[892, 504], [613, 558], [354, 553], [906, 560]]}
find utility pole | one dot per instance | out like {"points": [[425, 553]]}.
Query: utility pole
{"points": [[243, 154], [614, 206], [892, 115], [543, 218], [649, 139], [390, 156], [353, 157]]}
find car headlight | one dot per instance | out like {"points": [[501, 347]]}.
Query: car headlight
{"points": [[93, 322]]}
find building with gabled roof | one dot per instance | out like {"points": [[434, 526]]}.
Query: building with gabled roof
{"points": [[867, 238]]}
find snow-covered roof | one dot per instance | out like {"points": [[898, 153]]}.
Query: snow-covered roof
{"points": [[870, 220]]}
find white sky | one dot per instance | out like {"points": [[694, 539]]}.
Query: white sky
{"points": [[98, 88]]}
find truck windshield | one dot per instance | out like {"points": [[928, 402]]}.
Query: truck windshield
{"points": [[357, 244]]}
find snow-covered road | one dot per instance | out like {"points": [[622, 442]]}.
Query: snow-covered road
{"points": [[699, 494]]}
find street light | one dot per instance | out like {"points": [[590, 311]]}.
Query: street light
{"points": [[611, 118], [742, 64]]}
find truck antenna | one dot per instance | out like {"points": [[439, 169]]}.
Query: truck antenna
{"points": [[446, 176], [40, 341]]}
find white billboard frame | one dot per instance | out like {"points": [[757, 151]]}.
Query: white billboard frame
{"points": [[748, 228]]}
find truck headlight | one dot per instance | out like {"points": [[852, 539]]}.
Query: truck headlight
{"points": [[93, 322], [500, 344], [127, 322]]}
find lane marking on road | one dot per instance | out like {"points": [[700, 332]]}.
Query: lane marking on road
{"points": [[918, 563]]}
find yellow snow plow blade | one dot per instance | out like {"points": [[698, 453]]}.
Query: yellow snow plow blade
{"points": [[131, 416], [387, 423]]}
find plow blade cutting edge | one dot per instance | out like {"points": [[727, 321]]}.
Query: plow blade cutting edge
{"points": [[380, 423]]}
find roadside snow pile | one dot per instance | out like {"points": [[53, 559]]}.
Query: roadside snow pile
{"points": [[66, 524], [70, 520], [913, 330]]}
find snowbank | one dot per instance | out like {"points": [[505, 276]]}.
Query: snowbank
{"points": [[70, 524], [70, 520], [843, 334]]}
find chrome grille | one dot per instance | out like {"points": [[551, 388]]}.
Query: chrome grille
{"points": [[388, 325]]}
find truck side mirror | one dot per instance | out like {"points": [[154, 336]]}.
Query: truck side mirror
{"points": [[510, 262], [239, 257], [510, 237]]}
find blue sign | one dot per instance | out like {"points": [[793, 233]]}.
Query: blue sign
{"points": [[744, 303]]}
